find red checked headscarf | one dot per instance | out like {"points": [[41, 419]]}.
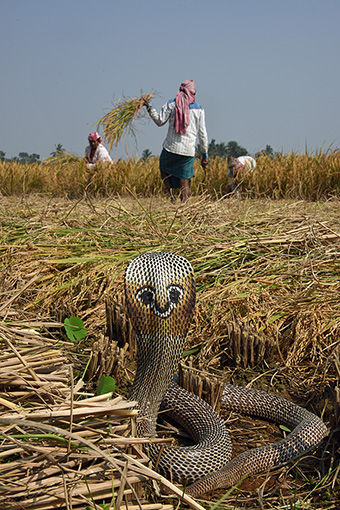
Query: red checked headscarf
{"points": [[184, 97], [93, 137]]}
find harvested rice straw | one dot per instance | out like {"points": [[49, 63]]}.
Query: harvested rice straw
{"points": [[120, 120]]}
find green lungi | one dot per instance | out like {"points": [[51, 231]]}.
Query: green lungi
{"points": [[176, 166]]}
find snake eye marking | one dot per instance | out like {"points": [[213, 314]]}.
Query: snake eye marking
{"points": [[146, 296], [175, 293]]}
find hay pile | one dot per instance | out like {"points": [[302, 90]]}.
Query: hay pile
{"points": [[62, 447]]}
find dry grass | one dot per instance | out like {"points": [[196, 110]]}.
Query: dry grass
{"points": [[268, 312], [67, 448]]}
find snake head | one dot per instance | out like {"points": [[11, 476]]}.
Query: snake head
{"points": [[160, 294]]}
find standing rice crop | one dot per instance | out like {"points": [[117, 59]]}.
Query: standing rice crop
{"points": [[311, 177], [298, 176]]}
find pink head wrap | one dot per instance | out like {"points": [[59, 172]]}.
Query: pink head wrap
{"points": [[184, 97], [236, 164], [93, 137]]}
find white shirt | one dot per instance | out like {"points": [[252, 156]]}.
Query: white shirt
{"points": [[248, 162], [176, 142], [101, 154]]}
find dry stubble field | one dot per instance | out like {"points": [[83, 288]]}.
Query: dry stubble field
{"points": [[268, 316]]}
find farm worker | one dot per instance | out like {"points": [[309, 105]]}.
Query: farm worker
{"points": [[96, 151], [238, 166], [186, 124]]}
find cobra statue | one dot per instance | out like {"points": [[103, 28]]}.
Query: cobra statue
{"points": [[160, 297]]}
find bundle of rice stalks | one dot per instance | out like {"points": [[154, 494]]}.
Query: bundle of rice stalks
{"points": [[120, 120]]}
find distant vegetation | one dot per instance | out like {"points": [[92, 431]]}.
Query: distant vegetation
{"points": [[228, 150], [223, 150], [24, 157]]}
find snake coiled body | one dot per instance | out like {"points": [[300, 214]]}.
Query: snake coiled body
{"points": [[160, 297]]}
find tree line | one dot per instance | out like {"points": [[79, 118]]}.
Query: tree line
{"points": [[24, 157], [230, 150], [223, 150]]}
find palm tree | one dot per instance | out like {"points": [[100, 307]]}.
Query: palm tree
{"points": [[146, 154], [59, 149]]}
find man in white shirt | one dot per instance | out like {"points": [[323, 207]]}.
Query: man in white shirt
{"points": [[186, 123]]}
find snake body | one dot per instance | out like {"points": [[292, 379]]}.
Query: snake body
{"points": [[160, 297]]}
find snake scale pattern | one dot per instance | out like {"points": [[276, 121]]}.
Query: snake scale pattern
{"points": [[160, 298]]}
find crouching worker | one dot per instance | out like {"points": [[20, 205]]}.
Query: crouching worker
{"points": [[96, 152], [236, 170]]}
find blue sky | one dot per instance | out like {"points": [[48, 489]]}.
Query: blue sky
{"points": [[266, 71]]}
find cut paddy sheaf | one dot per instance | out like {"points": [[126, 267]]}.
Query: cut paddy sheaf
{"points": [[267, 315], [120, 120]]}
